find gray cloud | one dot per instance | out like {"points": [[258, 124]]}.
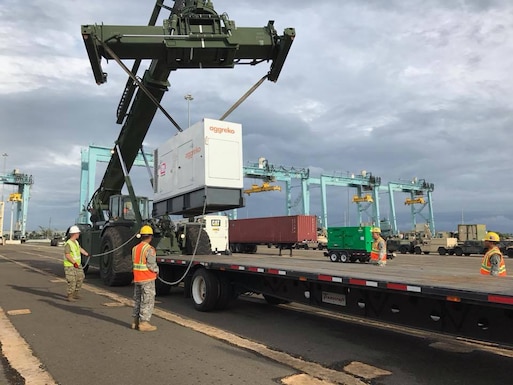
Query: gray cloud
{"points": [[401, 89]]}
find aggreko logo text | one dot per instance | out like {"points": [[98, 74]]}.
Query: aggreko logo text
{"points": [[221, 130], [190, 154]]}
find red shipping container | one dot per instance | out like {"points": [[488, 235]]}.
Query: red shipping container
{"points": [[286, 229]]}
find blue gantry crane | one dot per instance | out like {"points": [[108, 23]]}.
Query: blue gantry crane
{"points": [[366, 184], [270, 173], [420, 197], [366, 198], [20, 199]]}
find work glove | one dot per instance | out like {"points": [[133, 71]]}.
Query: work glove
{"points": [[75, 265]]}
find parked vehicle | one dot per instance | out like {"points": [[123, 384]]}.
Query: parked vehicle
{"points": [[469, 247], [440, 244]]}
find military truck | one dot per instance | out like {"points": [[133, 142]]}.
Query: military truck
{"points": [[469, 247], [442, 243]]}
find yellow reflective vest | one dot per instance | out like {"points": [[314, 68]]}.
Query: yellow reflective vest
{"points": [[486, 265], [75, 253]]}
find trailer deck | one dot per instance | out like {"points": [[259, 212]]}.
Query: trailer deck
{"points": [[437, 293], [425, 273]]}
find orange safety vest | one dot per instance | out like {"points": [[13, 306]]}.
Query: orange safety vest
{"points": [[140, 269], [486, 265], [374, 255]]}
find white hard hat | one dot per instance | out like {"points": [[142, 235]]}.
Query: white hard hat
{"points": [[74, 229]]}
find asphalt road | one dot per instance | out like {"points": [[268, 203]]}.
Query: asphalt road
{"points": [[250, 343]]}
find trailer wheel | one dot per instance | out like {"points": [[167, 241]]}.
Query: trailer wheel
{"points": [[166, 273], [191, 236], [417, 250], [334, 256], [226, 292], [204, 290], [116, 263], [343, 257]]}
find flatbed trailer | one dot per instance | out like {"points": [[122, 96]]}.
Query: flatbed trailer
{"points": [[452, 298]]}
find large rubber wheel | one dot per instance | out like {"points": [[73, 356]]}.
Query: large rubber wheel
{"points": [[226, 292], [442, 250], [166, 273], [116, 266], [343, 257], [403, 249], [458, 251], [191, 236], [417, 250], [334, 256], [509, 253], [204, 290]]}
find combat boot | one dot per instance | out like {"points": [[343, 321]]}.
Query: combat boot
{"points": [[76, 295], [135, 323], [70, 298], [145, 326]]}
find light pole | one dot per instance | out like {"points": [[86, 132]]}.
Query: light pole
{"points": [[188, 97], [5, 155]]}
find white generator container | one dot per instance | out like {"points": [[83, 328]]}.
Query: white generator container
{"points": [[199, 170]]}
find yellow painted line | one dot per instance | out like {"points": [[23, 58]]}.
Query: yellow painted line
{"points": [[311, 368], [368, 372], [18, 312], [304, 379], [16, 350], [113, 304]]}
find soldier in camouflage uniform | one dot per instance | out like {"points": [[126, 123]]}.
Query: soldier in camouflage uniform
{"points": [[145, 268], [378, 255], [72, 264]]}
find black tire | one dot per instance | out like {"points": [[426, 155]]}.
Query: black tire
{"points": [[403, 249], [458, 251], [334, 256], [274, 300], [116, 266], [204, 290], [250, 249], [442, 251], [54, 242], [191, 236], [509, 253], [417, 250], [226, 292], [166, 273], [426, 252], [344, 258], [467, 254]]}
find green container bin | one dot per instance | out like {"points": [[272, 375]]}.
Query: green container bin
{"points": [[350, 238]]}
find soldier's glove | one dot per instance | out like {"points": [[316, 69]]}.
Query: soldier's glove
{"points": [[75, 265]]}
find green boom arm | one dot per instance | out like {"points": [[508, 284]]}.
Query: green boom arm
{"points": [[194, 36]]}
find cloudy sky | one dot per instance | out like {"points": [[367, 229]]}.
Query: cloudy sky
{"points": [[401, 89]]}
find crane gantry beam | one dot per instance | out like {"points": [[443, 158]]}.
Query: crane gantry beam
{"points": [[420, 193]]}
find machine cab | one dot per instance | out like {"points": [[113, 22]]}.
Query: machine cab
{"points": [[121, 207]]}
